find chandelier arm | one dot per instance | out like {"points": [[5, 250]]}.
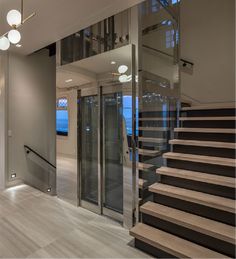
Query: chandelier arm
{"points": [[22, 11], [27, 18], [4, 34]]}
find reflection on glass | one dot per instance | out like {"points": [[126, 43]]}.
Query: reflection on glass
{"points": [[113, 146], [62, 122], [62, 117], [89, 145], [127, 113]]}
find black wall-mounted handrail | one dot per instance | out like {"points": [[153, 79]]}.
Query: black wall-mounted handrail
{"points": [[186, 62], [29, 149]]}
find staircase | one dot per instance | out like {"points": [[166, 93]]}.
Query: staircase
{"points": [[192, 213]]}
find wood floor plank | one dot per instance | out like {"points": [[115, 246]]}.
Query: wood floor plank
{"points": [[194, 222], [171, 244], [200, 159], [42, 226], [205, 199], [198, 176]]}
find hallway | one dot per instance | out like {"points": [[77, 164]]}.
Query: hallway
{"points": [[35, 225]]}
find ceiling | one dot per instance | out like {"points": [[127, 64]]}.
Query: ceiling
{"points": [[90, 69], [56, 19]]}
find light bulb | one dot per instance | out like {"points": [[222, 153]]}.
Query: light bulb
{"points": [[14, 36], [122, 69], [4, 43], [14, 17], [123, 78]]}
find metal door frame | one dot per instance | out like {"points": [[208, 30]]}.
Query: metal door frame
{"points": [[100, 91], [130, 175]]}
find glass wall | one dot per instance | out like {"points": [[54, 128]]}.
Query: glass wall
{"points": [[159, 87], [133, 113], [106, 35]]}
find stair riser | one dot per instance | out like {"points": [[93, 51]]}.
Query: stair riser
{"points": [[202, 167], [222, 137], [218, 190], [209, 113], [144, 193], [205, 151], [208, 124], [191, 235], [157, 253], [201, 210]]}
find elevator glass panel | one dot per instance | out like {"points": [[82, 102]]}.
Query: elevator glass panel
{"points": [[89, 149], [113, 151]]}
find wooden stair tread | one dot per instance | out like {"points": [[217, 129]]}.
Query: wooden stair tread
{"points": [[142, 183], [194, 222], [216, 118], [156, 119], [200, 159], [171, 244], [205, 199], [197, 176], [147, 152], [142, 166], [206, 130], [152, 140], [153, 129], [215, 144], [210, 107]]}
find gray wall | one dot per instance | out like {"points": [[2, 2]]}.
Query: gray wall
{"points": [[3, 65], [208, 40], [31, 116]]}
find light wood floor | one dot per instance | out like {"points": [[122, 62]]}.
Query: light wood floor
{"points": [[35, 225]]}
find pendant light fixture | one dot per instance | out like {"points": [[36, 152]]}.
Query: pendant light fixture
{"points": [[15, 19]]}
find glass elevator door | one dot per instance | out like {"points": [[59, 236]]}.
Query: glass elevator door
{"points": [[112, 152], [101, 149], [89, 152]]}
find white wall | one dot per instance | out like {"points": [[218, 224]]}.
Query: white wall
{"points": [[208, 40], [67, 145], [31, 114]]}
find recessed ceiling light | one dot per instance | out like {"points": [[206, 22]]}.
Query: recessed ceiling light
{"points": [[113, 62], [68, 80], [18, 45]]}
